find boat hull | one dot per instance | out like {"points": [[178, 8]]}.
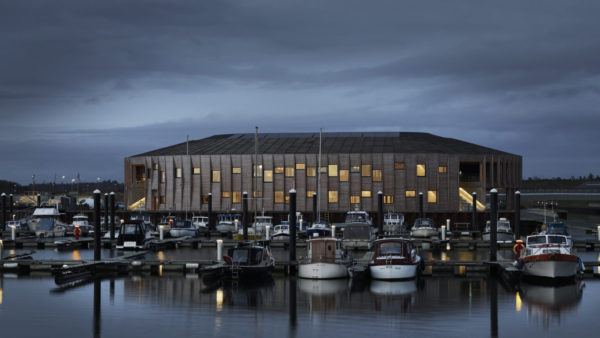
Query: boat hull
{"points": [[551, 266], [182, 232], [322, 270], [501, 237], [393, 271], [280, 237], [425, 233]]}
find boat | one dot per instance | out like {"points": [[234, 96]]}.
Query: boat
{"points": [[227, 223], [166, 222], [245, 262], [182, 228], [133, 235], [140, 216], [14, 224], [504, 232], [549, 257], [318, 229], [359, 236], [201, 224], [80, 221], [424, 228], [558, 228], [393, 259], [281, 232], [261, 222], [393, 222], [45, 223], [356, 217], [326, 259]]}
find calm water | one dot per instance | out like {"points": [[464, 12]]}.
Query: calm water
{"points": [[174, 306]]}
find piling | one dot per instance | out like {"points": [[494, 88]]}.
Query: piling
{"points": [[97, 307], [292, 231], [474, 226], [448, 224], [380, 212], [443, 232], [420, 205], [13, 233], [293, 305], [245, 214], [315, 218], [112, 215], [161, 232], [3, 210], [333, 231], [518, 214], [598, 232], [211, 225], [493, 224], [10, 206], [267, 232], [39, 200], [97, 229], [219, 250], [106, 211]]}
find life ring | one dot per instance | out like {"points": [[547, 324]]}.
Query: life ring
{"points": [[519, 245]]}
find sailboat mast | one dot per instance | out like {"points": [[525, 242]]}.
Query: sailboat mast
{"points": [[187, 153], [255, 175], [319, 179]]}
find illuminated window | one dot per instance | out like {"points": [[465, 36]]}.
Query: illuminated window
{"points": [[235, 170], [226, 194], [300, 166], [216, 175], [333, 170], [365, 193], [410, 193], [344, 175], [388, 199], [333, 196], [432, 196], [289, 171], [365, 170], [196, 171], [163, 200], [279, 197], [310, 193], [323, 170], [420, 170], [377, 175], [258, 170], [279, 170], [237, 197], [155, 166], [355, 199], [268, 176], [257, 194], [287, 199], [163, 176], [442, 169], [399, 165], [311, 171], [355, 169], [140, 174], [178, 172], [204, 199]]}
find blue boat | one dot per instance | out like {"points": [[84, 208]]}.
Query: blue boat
{"points": [[319, 229]]}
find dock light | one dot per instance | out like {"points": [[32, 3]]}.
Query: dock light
{"points": [[598, 232], [122, 221], [518, 303], [219, 250], [268, 232], [443, 232], [13, 232], [236, 225], [448, 224], [333, 231], [161, 229], [448, 247]]}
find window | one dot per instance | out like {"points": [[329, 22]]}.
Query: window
{"points": [[344, 175], [333, 170], [204, 199], [354, 199], [365, 170], [333, 196], [196, 171], [258, 170], [287, 199], [279, 170], [236, 170], [257, 194], [311, 171], [432, 196], [323, 170], [163, 176], [365, 193], [442, 169], [140, 174], [216, 175], [410, 193], [279, 197], [420, 170], [237, 197], [163, 200], [289, 171], [399, 165], [377, 175], [388, 199], [178, 172], [310, 193], [155, 166], [226, 194], [300, 166], [355, 169], [268, 176]]}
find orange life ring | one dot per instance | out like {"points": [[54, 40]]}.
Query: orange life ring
{"points": [[521, 245]]}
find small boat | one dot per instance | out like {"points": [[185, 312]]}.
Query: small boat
{"points": [[244, 262], [359, 236], [425, 228], [133, 235], [319, 229], [201, 224], [182, 228], [228, 223], [165, 222], [356, 217], [45, 223], [393, 222], [549, 257], [281, 232], [326, 259], [558, 228], [504, 232], [394, 258], [260, 224], [80, 221], [140, 216]]}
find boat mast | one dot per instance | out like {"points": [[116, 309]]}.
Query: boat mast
{"points": [[255, 175], [319, 179], [187, 153]]}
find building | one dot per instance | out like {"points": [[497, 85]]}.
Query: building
{"points": [[354, 168]]}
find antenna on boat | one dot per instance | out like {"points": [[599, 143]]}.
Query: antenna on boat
{"points": [[319, 178]]}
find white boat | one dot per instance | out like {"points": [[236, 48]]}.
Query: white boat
{"points": [[549, 256], [45, 223], [80, 221], [281, 233], [260, 224], [326, 259], [182, 228], [201, 224], [393, 222], [356, 217], [394, 258], [424, 228], [359, 236], [137, 216], [228, 223], [504, 232], [557, 228]]}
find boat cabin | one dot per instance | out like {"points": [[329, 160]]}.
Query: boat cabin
{"points": [[393, 218], [324, 250], [132, 234], [182, 224], [392, 247], [424, 223], [544, 244], [246, 255], [229, 218], [357, 217], [502, 224]]}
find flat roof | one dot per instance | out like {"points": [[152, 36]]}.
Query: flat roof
{"points": [[339, 142]]}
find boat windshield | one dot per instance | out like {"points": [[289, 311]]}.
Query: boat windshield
{"points": [[129, 229], [356, 218], [357, 232], [182, 224], [557, 240], [392, 248], [46, 224], [536, 240], [424, 223], [246, 255]]}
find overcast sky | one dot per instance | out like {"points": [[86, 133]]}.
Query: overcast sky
{"points": [[84, 84]]}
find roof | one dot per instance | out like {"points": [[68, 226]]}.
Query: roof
{"points": [[45, 212], [308, 143]]}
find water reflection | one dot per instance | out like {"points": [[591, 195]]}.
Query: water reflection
{"points": [[324, 295], [547, 303], [97, 307], [393, 297]]}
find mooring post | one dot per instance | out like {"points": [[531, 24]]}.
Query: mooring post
{"points": [[97, 229], [448, 225], [420, 205], [210, 215], [518, 214], [3, 207], [39, 200], [112, 215], [380, 213], [474, 226], [292, 223], [267, 233], [245, 214], [315, 218], [10, 207], [219, 250], [333, 231], [106, 211], [493, 224]]}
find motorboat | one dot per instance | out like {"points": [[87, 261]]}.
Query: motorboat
{"points": [[166, 222], [80, 221], [393, 222], [319, 229], [245, 262], [359, 236], [424, 228], [45, 223], [281, 232], [182, 228], [356, 217], [394, 258], [325, 259], [260, 224], [557, 228], [549, 257], [228, 223], [133, 235], [141, 216], [201, 224], [504, 233]]}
